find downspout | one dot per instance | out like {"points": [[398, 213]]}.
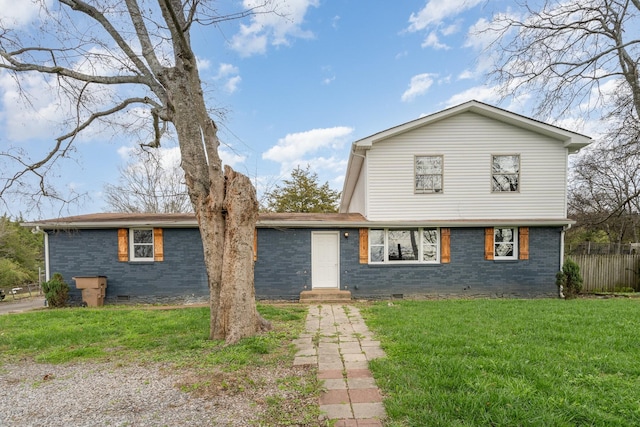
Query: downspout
{"points": [[37, 230], [565, 228], [47, 273], [562, 234]]}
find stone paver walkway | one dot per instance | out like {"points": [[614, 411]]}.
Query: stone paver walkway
{"points": [[340, 344]]}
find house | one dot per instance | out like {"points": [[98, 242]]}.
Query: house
{"points": [[467, 201]]}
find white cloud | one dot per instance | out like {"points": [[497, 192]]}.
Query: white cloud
{"points": [[34, 119], [451, 29], [18, 13], [479, 35], [228, 74], [432, 41], [296, 146], [125, 152], [203, 63], [435, 11], [488, 94], [323, 149], [225, 70], [230, 158], [419, 85], [170, 157], [466, 75], [232, 84], [272, 28]]}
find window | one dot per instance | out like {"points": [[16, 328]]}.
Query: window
{"points": [[505, 173], [411, 245], [428, 171], [141, 244], [505, 244]]}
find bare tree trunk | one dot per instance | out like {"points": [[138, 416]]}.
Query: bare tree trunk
{"points": [[171, 93], [237, 314]]}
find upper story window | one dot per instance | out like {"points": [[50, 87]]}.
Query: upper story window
{"points": [[505, 243], [141, 240], [428, 174], [404, 245], [505, 173]]}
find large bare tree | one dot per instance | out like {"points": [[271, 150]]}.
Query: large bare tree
{"points": [[572, 56], [604, 193], [138, 53], [149, 182], [580, 59]]}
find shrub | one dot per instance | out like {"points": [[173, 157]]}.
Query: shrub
{"points": [[56, 291], [569, 280]]}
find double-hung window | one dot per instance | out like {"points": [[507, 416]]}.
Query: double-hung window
{"points": [[505, 173], [428, 174], [141, 241], [409, 245], [505, 243]]}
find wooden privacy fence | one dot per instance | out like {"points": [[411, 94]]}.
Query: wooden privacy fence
{"points": [[609, 273]]}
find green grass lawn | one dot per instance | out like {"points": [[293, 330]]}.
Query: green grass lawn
{"points": [[179, 336], [509, 362]]}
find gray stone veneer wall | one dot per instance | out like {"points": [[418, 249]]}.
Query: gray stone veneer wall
{"points": [[283, 267], [181, 277]]}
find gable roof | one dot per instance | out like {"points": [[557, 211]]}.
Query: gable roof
{"points": [[573, 141]]}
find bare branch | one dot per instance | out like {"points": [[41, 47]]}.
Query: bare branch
{"points": [[564, 51], [15, 65], [62, 145], [143, 35]]}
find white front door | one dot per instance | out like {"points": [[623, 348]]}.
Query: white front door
{"points": [[325, 259]]}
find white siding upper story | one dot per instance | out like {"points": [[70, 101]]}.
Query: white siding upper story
{"points": [[382, 188]]}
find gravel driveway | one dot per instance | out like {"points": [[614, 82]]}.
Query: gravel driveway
{"points": [[107, 394]]}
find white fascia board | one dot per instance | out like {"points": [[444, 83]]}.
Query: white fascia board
{"points": [[354, 166], [571, 140], [473, 223], [52, 225], [430, 223]]}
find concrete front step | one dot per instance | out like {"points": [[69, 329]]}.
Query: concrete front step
{"points": [[325, 296]]}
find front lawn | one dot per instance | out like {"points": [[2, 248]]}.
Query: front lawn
{"points": [[509, 362]]}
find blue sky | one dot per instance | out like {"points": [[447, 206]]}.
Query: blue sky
{"points": [[298, 90]]}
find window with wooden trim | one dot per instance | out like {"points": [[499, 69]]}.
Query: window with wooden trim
{"points": [[505, 173], [405, 245], [140, 244], [428, 174], [506, 243]]}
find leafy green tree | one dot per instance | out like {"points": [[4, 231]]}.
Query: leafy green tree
{"points": [[20, 253], [302, 193]]}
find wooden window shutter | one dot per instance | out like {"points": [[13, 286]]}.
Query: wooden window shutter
{"points": [[255, 244], [445, 245], [158, 246], [364, 246], [488, 243], [123, 245], [523, 244]]}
